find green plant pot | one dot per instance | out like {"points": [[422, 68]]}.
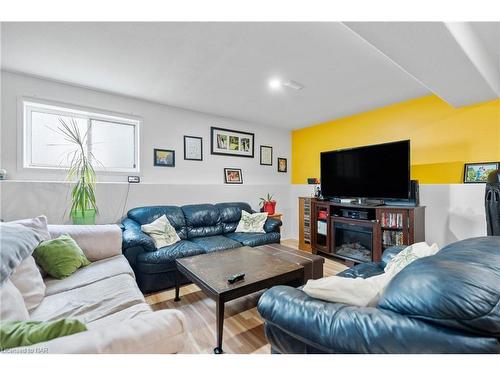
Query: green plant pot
{"points": [[87, 217]]}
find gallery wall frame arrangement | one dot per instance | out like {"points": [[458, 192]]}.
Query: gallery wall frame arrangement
{"points": [[164, 158], [233, 176], [193, 148], [266, 155], [282, 165], [477, 173], [231, 142]]}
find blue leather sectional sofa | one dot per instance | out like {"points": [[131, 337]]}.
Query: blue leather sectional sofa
{"points": [[446, 303], [203, 228]]}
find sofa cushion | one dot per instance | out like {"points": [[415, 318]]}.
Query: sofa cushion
{"points": [[38, 224], [60, 257], [457, 287], [254, 239], [252, 223], [161, 231], [230, 214], [17, 243], [97, 241], [28, 280], [390, 253], [215, 243], [121, 316], [102, 269], [16, 334], [164, 259], [202, 220], [12, 305], [146, 215], [90, 302]]}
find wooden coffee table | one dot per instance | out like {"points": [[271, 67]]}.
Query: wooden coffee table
{"points": [[210, 272]]}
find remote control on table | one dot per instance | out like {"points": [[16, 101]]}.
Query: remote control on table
{"points": [[236, 277]]}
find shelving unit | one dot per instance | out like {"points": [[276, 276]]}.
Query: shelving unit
{"points": [[305, 223]]}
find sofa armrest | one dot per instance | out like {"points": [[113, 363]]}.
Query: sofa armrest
{"points": [[163, 331], [97, 241], [363, 270], [339, 328], [272, 225], [390, 253], [134, 237]]}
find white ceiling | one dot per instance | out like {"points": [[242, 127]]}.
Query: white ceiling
{"points": [[223, 68], [448, 58]]}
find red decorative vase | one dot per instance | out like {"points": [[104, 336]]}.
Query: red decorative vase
{"points": [[269, 207]]}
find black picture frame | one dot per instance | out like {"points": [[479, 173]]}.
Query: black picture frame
{"points": [[238, 134], [156, 158], [227, 181], [286, 165], [493, 164], [201, 147], [262, 147]]}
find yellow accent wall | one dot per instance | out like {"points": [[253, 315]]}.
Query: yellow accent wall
{"points": [[443, 138]]}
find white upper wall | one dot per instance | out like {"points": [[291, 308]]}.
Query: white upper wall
{"points": [[162, 127]]}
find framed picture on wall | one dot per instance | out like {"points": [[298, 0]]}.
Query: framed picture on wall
{"points": [[164, 158], [266, 155], [193, 148], [231, 142], [233, 176], [477, 173], [282, 165]]}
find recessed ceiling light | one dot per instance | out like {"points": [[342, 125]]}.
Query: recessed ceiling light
{"points": [[293, 85], [275, 84]]}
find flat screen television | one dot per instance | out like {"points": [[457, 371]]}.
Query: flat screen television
{"points": [[373, 172]]}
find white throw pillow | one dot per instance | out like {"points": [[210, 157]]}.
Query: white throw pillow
{"points": [[252, 223], [161, 231], [38, 224], [28, 280], [12, 305], [366, 292], [408, 255]]}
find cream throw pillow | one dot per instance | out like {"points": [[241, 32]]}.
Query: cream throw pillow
{"points": [[28, 280], [366, 292], [162, 232], [252, 223], [12, 305]]}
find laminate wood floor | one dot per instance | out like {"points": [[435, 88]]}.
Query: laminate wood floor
{"points": [[243, 326]]}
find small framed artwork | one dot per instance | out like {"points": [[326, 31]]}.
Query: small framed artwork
{"points": [[193, 148], [282, 165], [477, 173], [164, 158], [233, 176], [266, 155], [231, 142]]}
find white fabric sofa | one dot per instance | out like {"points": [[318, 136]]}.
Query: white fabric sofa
{"points": [[105, 296]]}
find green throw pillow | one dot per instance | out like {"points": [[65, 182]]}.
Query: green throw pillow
{"points": [[25, 333], [60, 257]]}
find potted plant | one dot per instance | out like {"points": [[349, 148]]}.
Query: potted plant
{"points": [[268, 204], [81, 171]]}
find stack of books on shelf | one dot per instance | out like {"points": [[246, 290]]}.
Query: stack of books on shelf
{"points": [[391, 238], [392, 220]]}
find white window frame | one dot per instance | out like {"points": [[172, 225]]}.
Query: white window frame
{"points": [[30, 105]]}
